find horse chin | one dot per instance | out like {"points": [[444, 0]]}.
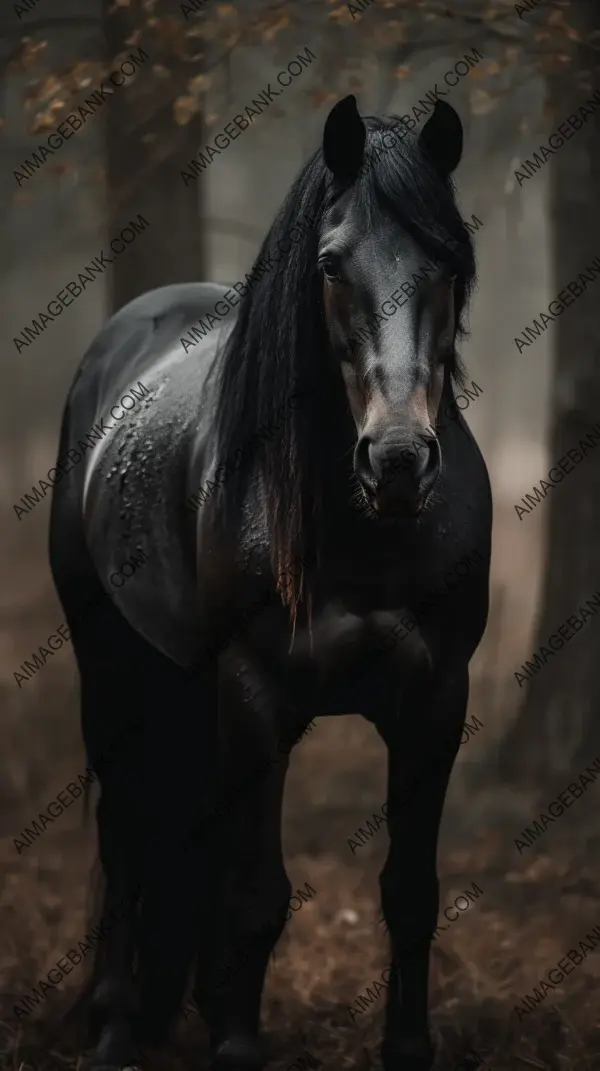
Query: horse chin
{"points": [[386, 507], [397, 511], [390, 511]]}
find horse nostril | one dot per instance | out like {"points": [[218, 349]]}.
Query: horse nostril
{"points": [[392, 472], [431, 467], [362, 461]]}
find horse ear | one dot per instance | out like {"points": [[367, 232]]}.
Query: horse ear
{"points": [[441, 139], [344, 140]]}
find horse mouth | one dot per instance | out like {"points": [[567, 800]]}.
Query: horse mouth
{"points": [[400, 513], [383, 508]]}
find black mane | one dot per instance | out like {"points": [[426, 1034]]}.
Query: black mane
{"points": [[278, 345]]}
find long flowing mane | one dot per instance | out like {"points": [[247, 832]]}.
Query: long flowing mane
{"points": [[278, 346]]}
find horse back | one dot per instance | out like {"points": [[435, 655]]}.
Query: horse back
{"points": [[136, 442]]}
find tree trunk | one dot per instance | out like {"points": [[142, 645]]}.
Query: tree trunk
{"points": [[558, 728], [146, 151]]}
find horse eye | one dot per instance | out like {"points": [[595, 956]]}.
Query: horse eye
{"points": [[331, 269]]}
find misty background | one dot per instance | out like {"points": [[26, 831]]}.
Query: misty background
{"points": [[536, 71]]}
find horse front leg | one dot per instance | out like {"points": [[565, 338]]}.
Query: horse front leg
{"points": [[418, 775], [255, 889]]}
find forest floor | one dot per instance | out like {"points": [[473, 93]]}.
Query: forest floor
{"points": [[532, 909]]}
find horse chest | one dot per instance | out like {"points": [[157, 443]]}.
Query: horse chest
{"points": [[339, 642]]}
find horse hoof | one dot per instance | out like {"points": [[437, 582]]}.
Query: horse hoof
{"points": [[238, 1054], [413, 1054], [126, 1061]]}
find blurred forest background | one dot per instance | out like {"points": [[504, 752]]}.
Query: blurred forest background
{"points": [[539, 65]]}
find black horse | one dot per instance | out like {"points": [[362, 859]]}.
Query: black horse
{"points": [[317, 537]]}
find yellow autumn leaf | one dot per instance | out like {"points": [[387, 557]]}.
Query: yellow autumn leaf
{"points": [[30, 52], [199, 84], [481, 102], [403, 71], [320, 96], [80, 75], [384, 34], [491, 68], [273, 30], [46, 120], [399, 26], [49, 87], [184, 110], [208, 30], [557, 19], [41, 123], [342, 14]]}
